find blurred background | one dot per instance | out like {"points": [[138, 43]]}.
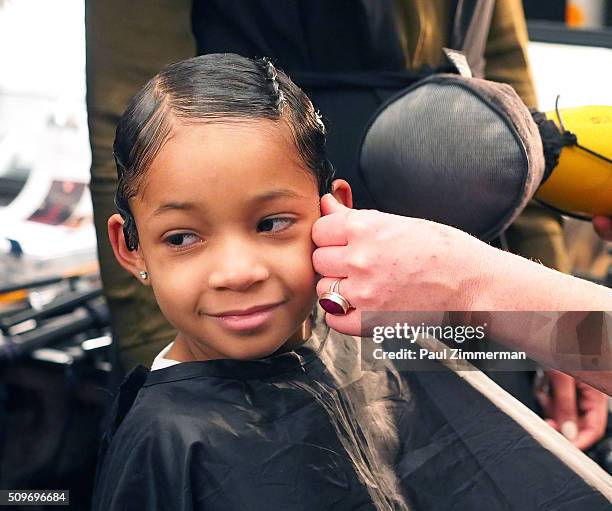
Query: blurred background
{"points": [[56, 362]]}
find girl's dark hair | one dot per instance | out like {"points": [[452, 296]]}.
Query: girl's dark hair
{"points": [[211, 88]]}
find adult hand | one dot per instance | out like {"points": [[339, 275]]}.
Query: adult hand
{"points": [[603, 227], [579, 412], [394, 263]]}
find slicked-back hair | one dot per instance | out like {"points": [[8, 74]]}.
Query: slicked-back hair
{"points": [[211, 88]]}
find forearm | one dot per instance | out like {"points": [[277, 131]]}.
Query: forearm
{"points": [[394, 263], [512, 283]]}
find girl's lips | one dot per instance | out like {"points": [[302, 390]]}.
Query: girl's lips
{"points": [[247, 320]]}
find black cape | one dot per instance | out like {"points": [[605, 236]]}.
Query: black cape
{"points": [[309, 430]]}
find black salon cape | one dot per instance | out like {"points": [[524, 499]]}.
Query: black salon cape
{"points": [[308, 430]]}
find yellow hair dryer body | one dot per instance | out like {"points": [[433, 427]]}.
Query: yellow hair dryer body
{"points": [[581, 183]]}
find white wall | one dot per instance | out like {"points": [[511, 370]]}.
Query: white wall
{"points": [[582, 75]]}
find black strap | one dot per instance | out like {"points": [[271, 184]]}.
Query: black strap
{"points": [[470, 30]]}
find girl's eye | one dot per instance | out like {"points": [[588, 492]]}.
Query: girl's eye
{"points": [[181, 240], [274, 224]]}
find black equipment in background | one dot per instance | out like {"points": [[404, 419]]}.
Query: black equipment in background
{"points": [[56, 378]]}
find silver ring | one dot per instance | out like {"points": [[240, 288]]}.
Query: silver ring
{"points": [[333, 302]]}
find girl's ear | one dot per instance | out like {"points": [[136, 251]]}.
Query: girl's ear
{"points": [[341, 190], [132, 261]]}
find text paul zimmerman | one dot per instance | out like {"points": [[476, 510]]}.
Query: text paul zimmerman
{"points": [[447, 354], [457, 334]]}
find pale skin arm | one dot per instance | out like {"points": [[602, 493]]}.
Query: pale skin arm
{"points": [[528, 286], [393, 263], [603, 227]]}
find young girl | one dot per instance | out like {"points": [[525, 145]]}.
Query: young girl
{"points": [[256, 404]]}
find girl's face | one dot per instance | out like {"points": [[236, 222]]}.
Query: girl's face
{"points": [[224, 219]]}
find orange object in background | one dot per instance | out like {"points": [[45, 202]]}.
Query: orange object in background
{"points": [[13, 296], [585, 13], [581, 183], [574, 16]]}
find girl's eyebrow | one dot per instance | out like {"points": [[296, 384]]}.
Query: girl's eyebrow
{"points": [[278, 193], [267, 196], [169, 206]]}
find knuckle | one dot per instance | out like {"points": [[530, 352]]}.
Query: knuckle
{"points": [[357, 224], [358, 261], [365, 294]]}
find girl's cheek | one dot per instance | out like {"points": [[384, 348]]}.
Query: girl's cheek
{"points": [[177, 277], [303, 263]]}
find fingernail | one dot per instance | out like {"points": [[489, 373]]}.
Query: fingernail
{"points": [[569, 430]]}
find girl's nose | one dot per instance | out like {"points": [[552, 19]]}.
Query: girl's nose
{"points": [[237, 267]]}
